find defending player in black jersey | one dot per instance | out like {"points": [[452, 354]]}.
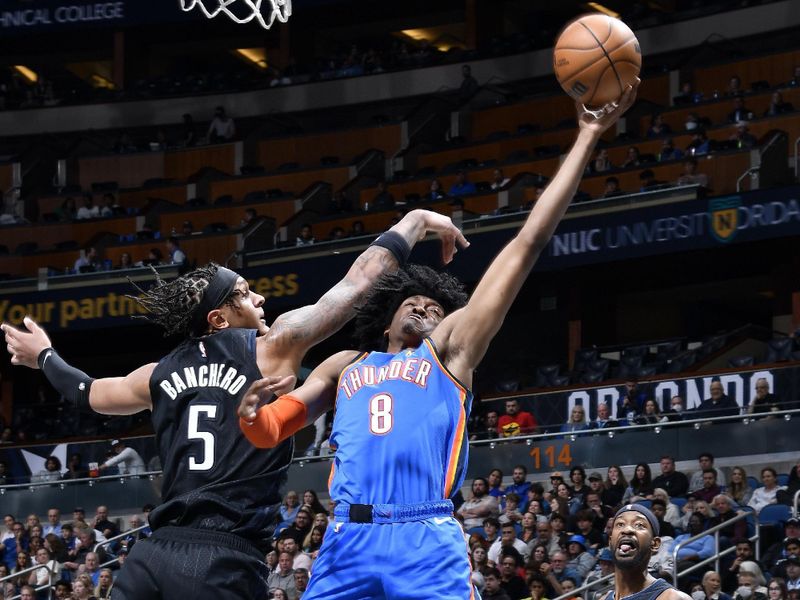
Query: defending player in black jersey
{"points": [[220, 494], [634, 539]]}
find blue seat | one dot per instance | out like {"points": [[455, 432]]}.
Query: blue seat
{"points": [[679, 502], [753, 482], [774, 514], [783, 479], [645, 503], [479, 530]]}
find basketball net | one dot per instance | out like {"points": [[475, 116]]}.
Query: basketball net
{"points": [[280, 10]]}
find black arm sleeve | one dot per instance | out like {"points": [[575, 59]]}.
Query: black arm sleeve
{"points": [[68, 381]]}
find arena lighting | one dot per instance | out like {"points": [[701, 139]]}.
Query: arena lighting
{"points": [[787, 417], [62, 486], [657, 429], [529, 441], [416, 34], [492, 446], [29, 75], [91, 483], [256, 56], [100, 82], [600, 8], [301, 464], [611, 434], [697, 425], [122, 480], [745, 421], [152, 477]]}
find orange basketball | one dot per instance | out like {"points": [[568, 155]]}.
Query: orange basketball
{"points": [[595, 58]]}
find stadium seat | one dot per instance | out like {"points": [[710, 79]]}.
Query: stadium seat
{"points": [[741, 361], [255, 196], [783, 479], [545, 375], [753, 482], [479, 530], [223, 200], [778, 350], [590, 377], [583, 357], [635, 352], [647, 371], [679, 502]]}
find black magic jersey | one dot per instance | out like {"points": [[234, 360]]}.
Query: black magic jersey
{"points": [[214, 478]]}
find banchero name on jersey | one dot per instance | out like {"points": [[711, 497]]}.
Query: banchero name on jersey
{"points": [[211, 375]]}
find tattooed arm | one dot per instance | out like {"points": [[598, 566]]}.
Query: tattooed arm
{"points": [[294, 332]]}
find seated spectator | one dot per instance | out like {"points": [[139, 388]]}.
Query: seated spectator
{"points": [[793, 573], [154, 258], [697, 550], [614, 486], [659, 508], [499, 181], [640, 486], [669, 151], [675, 412], [740, 112], [479, 506], [657, 127], [357, 229], [337, 233], [283, 577], [744, 552], [686, 95], [176, 255], [777, 106], [126, 459], [738, 488], [692, 122], [585, 520], [87, 261], [673, 482], [537, 587], [690, 176], [793, 485], [469, 85], [710, 489], [222, 128], [631, 400], [577, 483], [435, 191], [491, 530], [742, 136], [306, 237], [508, 539], [777, 590], [705, 461], [289, 507], [752, 585], [725, 512], [125, 261], [51, 471], [650, 414], [765, 494], [88, 210], [699, 144], [580, 561], [734, 86], [764, 401], [519, 485], [601, 163], [383, 200], [673, 514], [577, 420], [493, 589], [603, 420], [648, 181], [612, 188], [110, 206], [486, 427], [632, 158], [557, 571], [495, 481], [712, 586], [462, 186], [718, 404], [75, 468], [68, 210], [515, 421]]}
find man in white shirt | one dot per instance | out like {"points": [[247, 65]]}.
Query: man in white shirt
{"points": [[300, 560], [127, 459], [508, 538], [221, 128], [89, 210]]}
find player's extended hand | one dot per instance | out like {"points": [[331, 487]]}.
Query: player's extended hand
{"points": [[25, 344], [261, 391], [451, 236], [598, 121]]}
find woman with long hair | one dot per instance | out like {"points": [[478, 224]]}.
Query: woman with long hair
{"points": [[57, 547], [311, 500], [641, 485], [751, 577], [528, 527], [82, 588], [777, 590], [480, 558], [614, 487], [23, 562], [673, 514], [105, 581], [650, 414], [738, 488], [561, 501], [313, 540], [290, 506], [712, 586]]}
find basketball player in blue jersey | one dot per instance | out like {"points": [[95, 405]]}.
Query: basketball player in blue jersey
{"points": [[634, 539], [220, 495], [401, 410]]}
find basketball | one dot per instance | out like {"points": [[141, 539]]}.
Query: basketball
{"points": [[595, 58]]}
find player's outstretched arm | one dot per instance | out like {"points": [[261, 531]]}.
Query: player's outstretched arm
{"points": [[272, 423], [464, 336], [30, 347], [296, 331]]}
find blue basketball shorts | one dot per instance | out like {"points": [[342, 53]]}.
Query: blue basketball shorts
{"points": [[407, 552]]}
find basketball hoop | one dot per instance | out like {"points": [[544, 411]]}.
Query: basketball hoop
{"points": [[251, 9]]}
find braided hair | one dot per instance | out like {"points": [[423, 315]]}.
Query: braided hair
{"points": [[391, 290], [172, 304]]}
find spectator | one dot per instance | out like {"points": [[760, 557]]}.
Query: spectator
{"points": [[631, 401], [110, 206], [675, 412], [301, 527], [105, 582], [580, 561], [493, 589], [699, 144], [545, 537], [462, 186], [577, 420], [63, 590], [469, 85], [673, 514], [765, 494], [125, 261], [792, 566], [127, 459], [739, 489], [53, 522], [306, 237], [739, 112], [601, 163], [283, 577], [357, 229], [650, 414], [692, 122], [584, 526], [764, 401], [489, 426], [742, 136], [491, 528], [222, 127], [632, 158], [744, 552], [189, 137], [508, 539], [787, 496], [777, 590], [640, 486], [605, 561], [577, 478], [516, 421], [725, 512], [734, 86], [686, 94], [648, 181], [520, 485], [705, 461], [300, 560], [612, 188], [669, 151], [603, 420], [495, 481], [499, 181], [176, 255], [712, 586], [301, 576], [657, 127], [87, 261], [249, 217], [673, 482], [88, 210], [102, 523], [594, 503], [557, 571], [659, 508], [435, 191], [75, 468], [752, 585], [538, 587], [615, 486], [710, 489], [68, 210], [697, 550], [777, 106], [718, 404], [480, 506], [384, 200], [51, 471]]}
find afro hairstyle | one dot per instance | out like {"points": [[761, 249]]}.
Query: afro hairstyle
{"points": [[391, 290]]}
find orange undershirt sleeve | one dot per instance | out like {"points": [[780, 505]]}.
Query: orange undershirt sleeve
{"points": [[275, 422]]}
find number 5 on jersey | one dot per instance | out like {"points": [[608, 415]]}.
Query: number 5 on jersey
{"points": [[380, 414], [210, 410]]}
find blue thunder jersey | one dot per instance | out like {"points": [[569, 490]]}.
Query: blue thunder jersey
{"points": [[400, 429]]}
